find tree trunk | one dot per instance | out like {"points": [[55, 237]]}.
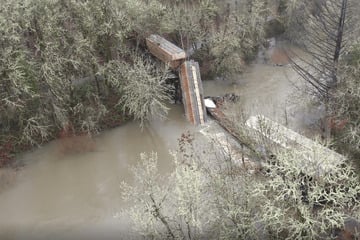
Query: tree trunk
{"points": [[339, 40]]}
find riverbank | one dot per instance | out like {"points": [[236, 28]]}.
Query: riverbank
{"points": [[58, 193], [61, 196], [11, 146], [12, 163]]}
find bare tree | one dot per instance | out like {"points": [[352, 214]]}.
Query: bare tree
{"points": [[210, 195], [324, 43], [145, 92]]}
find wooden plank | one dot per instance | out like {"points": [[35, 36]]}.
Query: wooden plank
{"points": [[158, 52]]}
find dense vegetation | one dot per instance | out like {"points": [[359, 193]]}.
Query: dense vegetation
{"points": [[345, 106], [212, 194], [331, 38], [292, 193], [81, 65]]}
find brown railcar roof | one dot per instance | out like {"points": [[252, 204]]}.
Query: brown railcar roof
{"points": [[169, 49]]}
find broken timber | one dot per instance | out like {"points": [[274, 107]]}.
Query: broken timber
{"points": [[165, 51], [192, 92]]}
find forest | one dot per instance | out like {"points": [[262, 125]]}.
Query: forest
{"points": [[79, 67]]}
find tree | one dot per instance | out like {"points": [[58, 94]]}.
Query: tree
{"points": [[60, 61], [235, 37], [212, 194], [144, 91], [345, 105], [188, 21], [65, 62], [149, 199], [143, 17], [303, 199], [324, 40], [204, 197]]}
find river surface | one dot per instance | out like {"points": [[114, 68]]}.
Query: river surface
{"points": [[57, 196]]}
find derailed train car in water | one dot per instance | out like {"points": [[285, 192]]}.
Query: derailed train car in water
{"points": [[288, 139]]}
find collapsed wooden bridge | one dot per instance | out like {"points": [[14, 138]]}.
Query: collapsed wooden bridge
{"points": [[189, 72]]}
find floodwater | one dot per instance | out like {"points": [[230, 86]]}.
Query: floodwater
{"points": [[263, 89], [77, 196], [269, 87]]}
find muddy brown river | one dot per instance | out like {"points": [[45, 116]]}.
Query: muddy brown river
{"points": [[78, 195], [57, 196]]}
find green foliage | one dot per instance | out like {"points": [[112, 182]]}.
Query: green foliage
{"points": [[144, 17], [52, 52], [293, 16]]}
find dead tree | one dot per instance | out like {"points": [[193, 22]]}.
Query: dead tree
{"points": [[325, 39], [324, 43]]}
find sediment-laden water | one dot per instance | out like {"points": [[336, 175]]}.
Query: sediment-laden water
{"points": [[66, 196]]}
